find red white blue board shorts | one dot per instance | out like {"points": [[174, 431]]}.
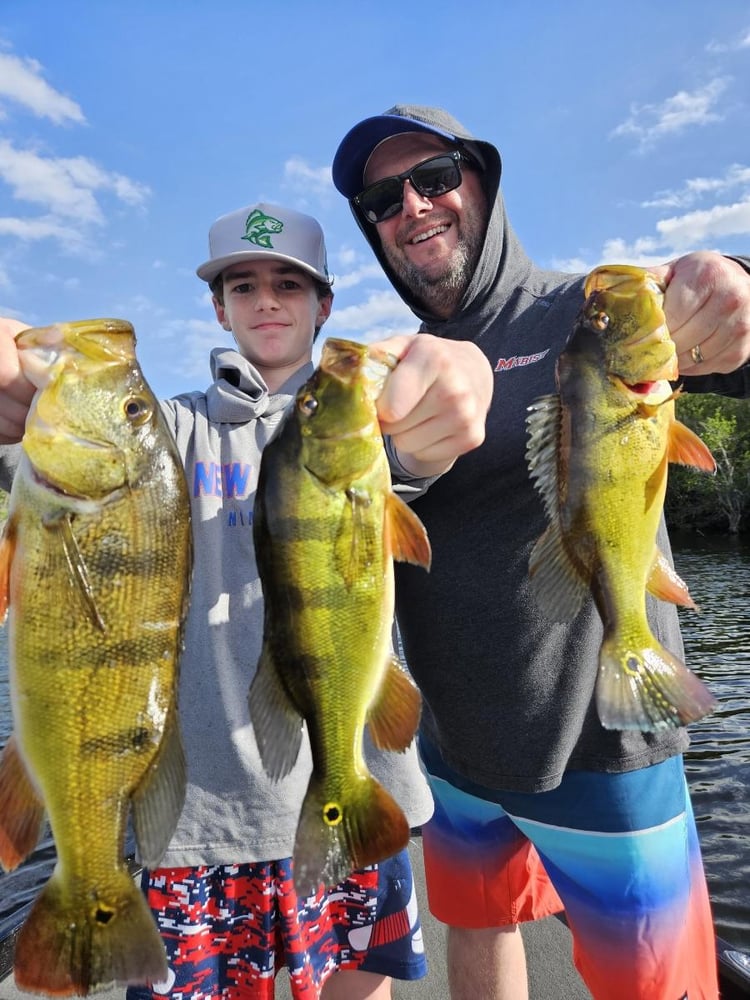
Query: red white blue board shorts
{"points": [[618, 852], [228, 929]]}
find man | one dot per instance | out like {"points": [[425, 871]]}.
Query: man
{"points": [[522, 770]]}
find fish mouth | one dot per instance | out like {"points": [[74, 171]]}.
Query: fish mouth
{"points": [[626, 278], [43, 350], [349, 361]]}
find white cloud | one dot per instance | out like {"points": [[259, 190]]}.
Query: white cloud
{"points": [[64, 186], [736, 175], [650, 122], [695, 228], [355, 277], [742, 42], [382, 314], [313, 179], [21, 81]]}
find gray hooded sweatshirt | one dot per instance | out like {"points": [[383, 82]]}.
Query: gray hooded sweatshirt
{"points": [[508, 694]]}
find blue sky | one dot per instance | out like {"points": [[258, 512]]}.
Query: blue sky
{"points": [[126, 128]]}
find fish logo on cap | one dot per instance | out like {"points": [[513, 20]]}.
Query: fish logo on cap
{"points": [[259, 228]]}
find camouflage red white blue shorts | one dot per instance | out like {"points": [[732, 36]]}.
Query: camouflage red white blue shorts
{"points": [[229, 928]]}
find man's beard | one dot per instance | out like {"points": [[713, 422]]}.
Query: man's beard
{"points": [[441, 292]]}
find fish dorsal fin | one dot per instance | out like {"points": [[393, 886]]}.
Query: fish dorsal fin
{"points": [[405, 535], [21, 808], [393, 716], [558, 585], [159, 798], [686, 448], [664, 582], [544, 426]]}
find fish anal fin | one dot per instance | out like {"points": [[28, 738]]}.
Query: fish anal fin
{"points": [[277, 724], [393, 716], [665, 583], [158, 800], [21, 808], [647, 688], [337, 834], [686, 448], [406, 536]]}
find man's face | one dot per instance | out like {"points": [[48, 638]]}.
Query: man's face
{"points": [[432, 244]]}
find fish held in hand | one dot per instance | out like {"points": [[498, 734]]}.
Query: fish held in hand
{"points": [[95, 565], [598, 452], [327, 526]]}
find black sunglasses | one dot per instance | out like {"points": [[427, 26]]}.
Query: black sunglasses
{"points": [[431, 178]]}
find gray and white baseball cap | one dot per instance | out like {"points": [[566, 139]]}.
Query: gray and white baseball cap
{"points": [[265, 231]]}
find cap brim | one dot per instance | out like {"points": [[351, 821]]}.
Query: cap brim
{"points": [[355, 148], [212, 268]]}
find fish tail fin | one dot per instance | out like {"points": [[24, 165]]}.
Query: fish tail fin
{"points": [[334, 837], [647, 688], [72, 946], [21, 809]]}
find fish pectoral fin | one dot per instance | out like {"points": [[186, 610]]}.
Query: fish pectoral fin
{"points": [[77, 566], [686, 448], [557, 585], [157, 801], [647, 688], [277, 724], [355, 542], [7, 551], [337, 833], [405, 535], [664, 582], [21, 808], [393, 716]]}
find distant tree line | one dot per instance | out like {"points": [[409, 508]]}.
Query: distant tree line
{"points": [[720, 503]]}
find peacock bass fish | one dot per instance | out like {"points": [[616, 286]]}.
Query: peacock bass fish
{"points": [[598, 452], [327, 526], [95, 564]]}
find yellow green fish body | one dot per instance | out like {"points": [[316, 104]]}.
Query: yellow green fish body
{"points": [[95, 569], [599, 453], [326, 528]]}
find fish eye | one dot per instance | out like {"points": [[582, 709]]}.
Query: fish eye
{"points": [[600, 321], [308, 404], [137, 410]]}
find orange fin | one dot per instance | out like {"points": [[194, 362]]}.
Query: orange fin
{"points": [[21, 808], [647, 689], [665, 583], [406, 536], [337, 833], [7, 551], [686, 448], [64, 949], [393, 716]]}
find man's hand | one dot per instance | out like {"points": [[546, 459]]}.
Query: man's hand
{"points": [[15, 390], [707, 307], [434, 405]]}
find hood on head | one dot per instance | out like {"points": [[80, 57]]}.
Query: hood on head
{"points": [[358, 144]]}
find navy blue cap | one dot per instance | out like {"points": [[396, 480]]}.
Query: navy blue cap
{"points": [[357, 145]]}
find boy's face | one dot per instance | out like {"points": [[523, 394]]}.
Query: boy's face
{"points": [[272, 309]]}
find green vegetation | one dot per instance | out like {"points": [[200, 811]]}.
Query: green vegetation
{"points": [[719, 504]]}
